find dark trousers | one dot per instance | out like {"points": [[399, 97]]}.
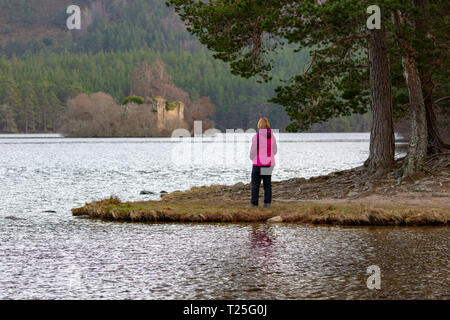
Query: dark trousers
{"points": [[256, 182]]}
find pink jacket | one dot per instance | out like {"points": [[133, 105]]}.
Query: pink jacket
{"points": [[264, 148]]}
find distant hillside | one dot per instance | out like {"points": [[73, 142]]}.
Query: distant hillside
{"points": [[26, 20], [106, 25], [43, 65]]}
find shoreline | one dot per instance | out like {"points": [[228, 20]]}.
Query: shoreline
{"points": [[348, 198], [194, 211]]}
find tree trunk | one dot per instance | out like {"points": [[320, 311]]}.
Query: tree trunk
{"points": [[435, 143], [418, 140], [381, 156], [26, 119], [45, 120], [53, 116]]}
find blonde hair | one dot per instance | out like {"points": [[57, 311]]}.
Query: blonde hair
{"points": [[263, 123]]}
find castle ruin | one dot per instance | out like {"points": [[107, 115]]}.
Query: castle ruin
{"points": [[152, 82], [168, 114]]}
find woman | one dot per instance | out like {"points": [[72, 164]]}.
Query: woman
{"points": [[262, 153]]}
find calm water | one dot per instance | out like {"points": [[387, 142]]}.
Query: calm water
{"points": [[46, 255]]}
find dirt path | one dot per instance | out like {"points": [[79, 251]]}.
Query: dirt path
{"points": [[401, 199], [430, 189]]}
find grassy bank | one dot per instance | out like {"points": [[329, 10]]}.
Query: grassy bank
{"points": [[349, 214], [350, 197]]}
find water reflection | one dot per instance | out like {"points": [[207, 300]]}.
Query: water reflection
{"points": [[262, 247], [261, 236]]}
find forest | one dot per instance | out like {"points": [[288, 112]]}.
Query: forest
{"points": [[43, 65]]}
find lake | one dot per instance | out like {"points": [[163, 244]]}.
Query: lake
{"points": [[53, 255]]}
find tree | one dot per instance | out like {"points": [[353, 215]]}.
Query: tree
{"points": [[202, 109], [29, 104], [55, 108], [134, 99], [10, 95], [382, 142], [423, 48], [418, 138], [7, 123], [433, 54]]}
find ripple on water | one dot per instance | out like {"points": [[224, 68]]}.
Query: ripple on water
{"points": [[54, 255]]}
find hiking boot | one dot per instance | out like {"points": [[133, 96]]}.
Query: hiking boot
{"points": [[251, 205], [266, 205]]}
